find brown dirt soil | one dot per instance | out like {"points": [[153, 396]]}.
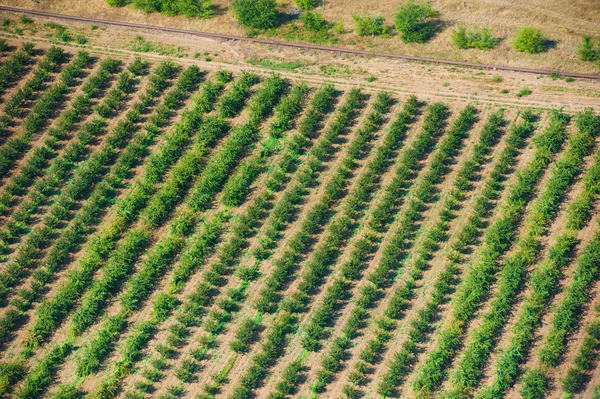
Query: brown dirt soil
{"points": [[563, 24]]}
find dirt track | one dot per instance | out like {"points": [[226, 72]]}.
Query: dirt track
{"points": [[295, 45]]}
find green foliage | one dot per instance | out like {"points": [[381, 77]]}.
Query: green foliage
{"points": [[188, 8], [245, 335], [529, 40], [587, 50], [306, 4], [524, 92], [535, 385], [481, 39], [370, 26], [257, 14], [117, 3], [24, 19], [314, 21], [413, 21]]}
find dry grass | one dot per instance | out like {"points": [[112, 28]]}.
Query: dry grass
{"points": [[563, 22]]}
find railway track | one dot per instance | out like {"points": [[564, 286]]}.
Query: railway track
{"points": [[303, 46]]}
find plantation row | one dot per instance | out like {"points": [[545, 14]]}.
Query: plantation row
{"points": [[171, 232]]}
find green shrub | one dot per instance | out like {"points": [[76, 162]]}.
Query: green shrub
{"points": [[25, 20], [306, 4], [523, 93], [412, 20], [535, 385], [338, 28], [370, 26], [117, 3], [530, 40], [482, 39], [314, 21], [587, 50], [258, 14]]}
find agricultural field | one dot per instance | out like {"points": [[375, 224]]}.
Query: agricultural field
{"points": [[177, 226]]}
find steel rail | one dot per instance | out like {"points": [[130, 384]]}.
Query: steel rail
{"points": [[303, 46]]}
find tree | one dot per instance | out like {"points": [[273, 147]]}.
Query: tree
{"points": [[530, 40], [412, 21], [259, 14]]}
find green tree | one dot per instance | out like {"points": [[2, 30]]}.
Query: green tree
{"points": [[413, 22], [530, 40], [259, 14], [535, 385]]}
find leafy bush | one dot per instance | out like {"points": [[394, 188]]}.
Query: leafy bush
{"points": [[188, 8], [482, 39], [530, 40], [370, 26], [535, 385], [306, 4], [258, 14], [587, 50], [412, 20], [314, 21], [117, 3]]}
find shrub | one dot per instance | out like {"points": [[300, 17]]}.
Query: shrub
{"points": [[587, 51], [188, 8], [524, 92], [370, 26], [258, 14], [535, 385], [338, 28], [482, 39], [306, 4], [412, 21], [530, 40], [314, 21], [117, 3]]}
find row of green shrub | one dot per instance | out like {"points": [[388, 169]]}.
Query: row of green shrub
{"points": [[42, 111], [586, 360], [53, 311], [237, 187], [205, 292], [319, 214], [511, 278], [12, 68], [325, 312], [408, 165], [162, 253], [498, 239], [37, 238], [44, 188], [467, 174], [16, 105], [285, 209], [544, 283], [69, 237], [401, 241]]}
